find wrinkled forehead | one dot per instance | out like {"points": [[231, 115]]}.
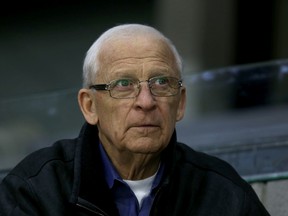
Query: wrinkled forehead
{"points": [[135, 49]]}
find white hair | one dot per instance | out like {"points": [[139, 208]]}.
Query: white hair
{"points": [[91, 64]]}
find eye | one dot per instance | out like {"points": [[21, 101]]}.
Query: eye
{"points": [[123, 84], [160, 81]]}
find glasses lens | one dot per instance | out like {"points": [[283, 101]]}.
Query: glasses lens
{"points": [[164, 86], [159, 86], [123, 88]]}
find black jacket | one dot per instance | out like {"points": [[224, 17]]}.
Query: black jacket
{"points": [[67, 179]]}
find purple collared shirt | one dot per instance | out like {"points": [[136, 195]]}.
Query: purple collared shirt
{"points": [[124, 198]]}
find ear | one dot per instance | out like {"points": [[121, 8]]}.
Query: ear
{"points": [[181, 105], [86, 102]]}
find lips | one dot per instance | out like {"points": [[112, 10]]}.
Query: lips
{"points": [[144, 122], [145, 127], [142, 125]]}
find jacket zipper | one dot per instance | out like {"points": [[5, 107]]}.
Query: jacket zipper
{"points": [[90, 207]]}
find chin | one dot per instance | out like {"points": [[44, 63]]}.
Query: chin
{"points": [[146, 147]]}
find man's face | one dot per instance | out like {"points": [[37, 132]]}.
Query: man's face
{"points": [[146, 123]]}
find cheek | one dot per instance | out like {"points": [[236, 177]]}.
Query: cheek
{"points": [[169, 111], [111, 114], [107, 115]]}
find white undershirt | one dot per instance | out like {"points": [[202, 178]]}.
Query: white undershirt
{"points": [[141, 188]]}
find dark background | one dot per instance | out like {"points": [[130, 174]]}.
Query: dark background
{"points": [[43, 44]]}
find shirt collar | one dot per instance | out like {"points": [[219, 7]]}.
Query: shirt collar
{"points": [[110, 172]]}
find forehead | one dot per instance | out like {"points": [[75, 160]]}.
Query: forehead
{"points": [[139, 51]]}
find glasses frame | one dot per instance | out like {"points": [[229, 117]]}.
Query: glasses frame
{"points": [[107, 87]]}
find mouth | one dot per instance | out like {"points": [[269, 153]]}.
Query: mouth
{"points": [[146, 126]]}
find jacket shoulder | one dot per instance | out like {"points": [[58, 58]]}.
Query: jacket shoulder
{"points": [[61, 151], [208, 163], [216, 178]]}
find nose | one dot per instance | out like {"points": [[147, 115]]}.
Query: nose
{"points": [[145, 100]]}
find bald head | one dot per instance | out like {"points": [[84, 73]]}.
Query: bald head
{"points": [[121, 38]]}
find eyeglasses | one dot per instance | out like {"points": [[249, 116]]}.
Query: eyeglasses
{"points": [[130, 88]]}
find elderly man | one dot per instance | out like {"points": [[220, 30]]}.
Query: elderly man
{"points": [[126, 160]]}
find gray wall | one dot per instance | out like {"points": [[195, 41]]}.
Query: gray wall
{"points": [[274, 196]]}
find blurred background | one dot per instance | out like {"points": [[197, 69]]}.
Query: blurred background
{"points": [[235, 68]]}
